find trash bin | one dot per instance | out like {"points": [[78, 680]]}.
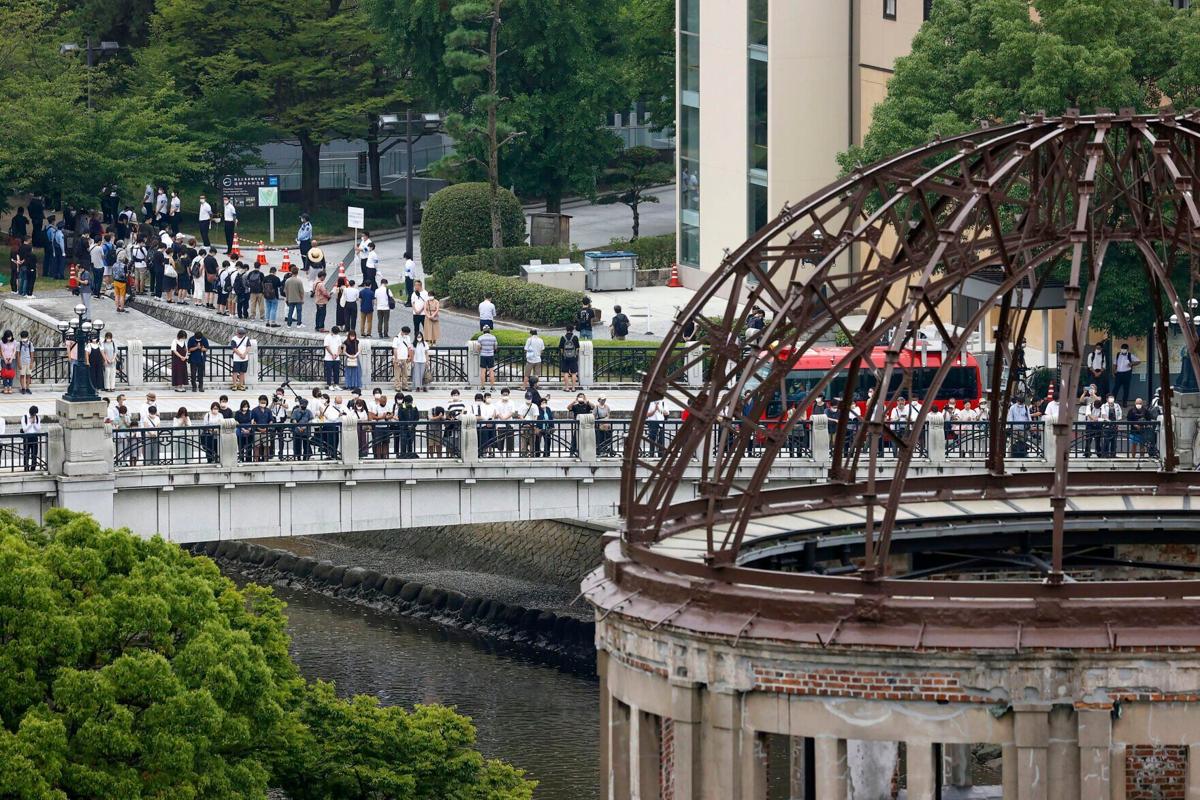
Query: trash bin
{"points": [[563, 275], [610, 270]]}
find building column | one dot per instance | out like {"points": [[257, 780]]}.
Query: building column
{"points": [[1191, 787], [587, 439], [619, 741], [1031, 728], [1095, 742], [1116, 772], [721, 731], [87, 479], [587, 364], [646, 753], [685, 762], [755, 752], [830, 766], [473, 372], [695, 371], [798, 766], [956, 760], [920, 771], [605, 726], [871, 765], [135, 365], [1062, 753]]}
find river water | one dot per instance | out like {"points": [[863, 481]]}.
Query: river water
{"points": [[531, 714]]}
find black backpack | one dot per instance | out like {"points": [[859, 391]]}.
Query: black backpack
{"points": [[585, 318], [570, 347], [255, 281]]}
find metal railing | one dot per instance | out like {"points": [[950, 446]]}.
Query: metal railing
{"points": [[292, 362], [51, 365], [289, 441], [162, 447], [973, 439], [1118, 439], [445, 365], [510, 364], [381, 440], [557, 438], [23, 452], [156, 363], [612, 437], [887, 449], [625, 364]]}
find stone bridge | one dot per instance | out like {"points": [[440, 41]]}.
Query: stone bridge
{"points": [[206, 492]]}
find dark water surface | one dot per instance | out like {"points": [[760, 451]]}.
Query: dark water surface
{"points": [[531, 714]]}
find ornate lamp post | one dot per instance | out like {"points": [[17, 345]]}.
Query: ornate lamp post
{"points": [[81, 332]]}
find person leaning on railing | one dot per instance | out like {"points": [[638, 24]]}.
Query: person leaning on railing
{"points": [[301, 418], [1142, 429]]}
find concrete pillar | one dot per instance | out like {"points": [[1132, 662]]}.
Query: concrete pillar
{"points": [[936, 436], [1049, 442], [252, 364], [350, 454], [473, 374], [830, 766], [1031, 730], [1116, 772], [756, 748], [1191, 787], [1185, 411], [469, 439], [821, 442], [86, 480], [956, 760], [1008, 773], [919, 771], [136, 362], [1062, 752], [647, 747], [797, 766], [1095, 742], [685, 718], [720, 768], [619, 739], [871, 767], [605, 725], [587, 364], [227, 444], [56, 452], [587, 439], [695, 371]]}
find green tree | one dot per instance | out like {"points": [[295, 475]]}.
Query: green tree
{"points": [[131, 669], [457, 222], [991, 60], [634, 171], [647, 34]]}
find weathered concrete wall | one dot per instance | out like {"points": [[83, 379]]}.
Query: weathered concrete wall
{"points": [[220, 329], [18, 317]]}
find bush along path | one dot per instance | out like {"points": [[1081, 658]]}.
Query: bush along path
{"points": [[559, 638]]}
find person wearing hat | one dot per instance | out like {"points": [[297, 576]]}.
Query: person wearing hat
{"points": [[314, 259], [304, 237]]}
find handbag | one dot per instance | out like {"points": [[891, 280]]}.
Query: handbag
{"points": [[7, 373]]}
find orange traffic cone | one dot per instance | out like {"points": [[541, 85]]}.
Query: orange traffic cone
{"points": [[674, 282], [73, 280], [262, 254], [236, 250], [287, 261]]}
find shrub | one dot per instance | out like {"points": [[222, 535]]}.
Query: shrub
{"points": [[654, 252], [515, 299], [502, 261], [457, 222], [384, 208]]}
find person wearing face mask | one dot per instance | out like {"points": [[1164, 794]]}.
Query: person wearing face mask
{"points": [[261, 418], [1019, 419], [1141, 429], [1123, 365], [179, 362], [1097, 367], [1110, 415]]}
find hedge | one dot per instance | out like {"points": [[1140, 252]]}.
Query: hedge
{"points": [[516, 299], [502, 261], [392, 207], [511, 338], [654, 252], [457, 222]]}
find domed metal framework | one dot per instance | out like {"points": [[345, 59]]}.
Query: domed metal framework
{"points": [[1045, 195]]}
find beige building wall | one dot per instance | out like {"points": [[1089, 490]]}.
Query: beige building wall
{"points": [[828, 66]]}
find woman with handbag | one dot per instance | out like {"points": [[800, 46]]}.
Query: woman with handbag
{"points": [[108, 349], [8, 361]]}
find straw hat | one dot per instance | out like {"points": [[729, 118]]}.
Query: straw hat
{"points": [[315, 255]]}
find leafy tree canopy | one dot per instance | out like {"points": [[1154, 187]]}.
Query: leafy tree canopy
{"points": [[131, 669]]}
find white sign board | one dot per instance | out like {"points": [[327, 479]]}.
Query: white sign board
{"points": [[268, 196], [355, 218]]}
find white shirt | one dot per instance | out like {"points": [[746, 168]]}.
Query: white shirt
{"points": [[410, 269], [148, 195], [1110, 413], [400, 348], [176, 205], [230, 212], [485, 411], [96, 253], [420, 353], [904, 413], [213, 418], [205, 211], [505, 409], [1125, 361], [1095, 359], [487, 310], [31, 424], [364, 248], [657, 411], [533, 349], [1050, 412], [241, 348], [333, 347], [373, 260], [160, 203], [418, 303]]}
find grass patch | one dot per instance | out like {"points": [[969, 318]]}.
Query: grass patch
{"points": [[509, 338]]}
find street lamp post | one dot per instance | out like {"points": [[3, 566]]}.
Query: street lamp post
{"points": [[82, 332], [429, 124], [95, 52]]}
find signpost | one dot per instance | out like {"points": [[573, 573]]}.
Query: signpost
{"points": [[246, 191], [355, 218]]}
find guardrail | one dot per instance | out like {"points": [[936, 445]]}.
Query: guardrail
{"points": [[23, 452], [162, 447], [51, 365], [973, 439], [156, 363], [409, 439], [445, 365], [557, 438], [1115, 439]]}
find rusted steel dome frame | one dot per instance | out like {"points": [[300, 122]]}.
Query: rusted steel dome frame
{"points": [[1015, 197]]}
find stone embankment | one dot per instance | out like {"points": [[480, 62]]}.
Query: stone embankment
{"points": [[543, 631]]}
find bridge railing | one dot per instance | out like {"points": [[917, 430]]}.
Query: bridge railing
{"points": [[23, 452], [439, 440], [288, 441], [973, 439], [1115, 439], [156, 363], [557, 438], [51, 365], [164, 447]]}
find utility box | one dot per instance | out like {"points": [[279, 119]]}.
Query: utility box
{"points": [[610, 270], [563, 275]]}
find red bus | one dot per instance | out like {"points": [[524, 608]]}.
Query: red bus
{"points": [[912, 378]]}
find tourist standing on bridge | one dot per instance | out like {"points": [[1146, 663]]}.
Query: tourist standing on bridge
{"points": [[244, 432], [385, 301], [31, 429], [197, 347], [418, 299], [26, 353], [350, 347], [1123, 365], [402, 360], [568, 353], [261, 418], [332, 358], [487, 358], [240, 343], [1097, 367], [179, 362], [420, 362], [1110, 415], [293, 293], [210, 440], [8, 361], [487, 313], [302, 419]]}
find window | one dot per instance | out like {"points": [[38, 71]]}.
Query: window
{"points": [[689, 49], [927, 8], [758, 206], [758, 22], [889, 9], [689, 244], [758, 114]]}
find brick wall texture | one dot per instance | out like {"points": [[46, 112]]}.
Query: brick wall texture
{"points": [[1155, 772], [869, 684], [666, 774]]}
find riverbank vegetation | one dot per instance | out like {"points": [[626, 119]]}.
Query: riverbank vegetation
{"points": [[132, 669]]}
